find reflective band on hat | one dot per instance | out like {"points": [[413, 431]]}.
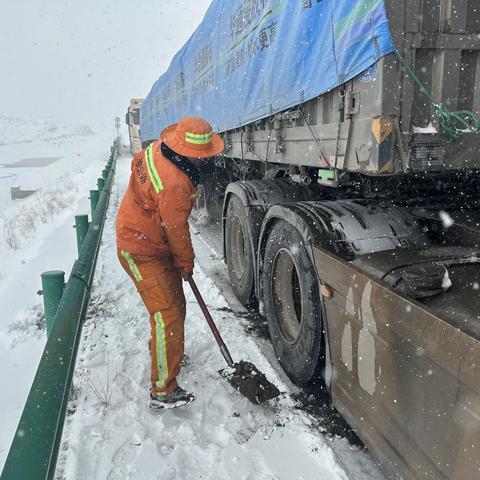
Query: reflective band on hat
{"points": [[132, 265], [198, 139], [161, 350], [152, 171]]}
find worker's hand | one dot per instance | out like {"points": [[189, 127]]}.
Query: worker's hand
{"points": [[186, 276]]}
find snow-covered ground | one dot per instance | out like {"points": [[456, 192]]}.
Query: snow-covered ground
{"points": [[33, 152], [36, 235], [109, 431], [111, 434]]}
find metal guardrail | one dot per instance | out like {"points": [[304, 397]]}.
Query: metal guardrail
{"points": [[34, 450]]}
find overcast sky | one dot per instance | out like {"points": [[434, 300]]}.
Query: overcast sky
{"points": [[80, 61]]}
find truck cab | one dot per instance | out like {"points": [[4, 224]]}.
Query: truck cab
{"points": [[132, 119]]}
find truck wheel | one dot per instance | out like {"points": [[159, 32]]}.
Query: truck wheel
{"points": [[292, 304], [238, 249]]}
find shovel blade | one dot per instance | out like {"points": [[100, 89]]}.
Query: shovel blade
{"points": [[250, 382]]}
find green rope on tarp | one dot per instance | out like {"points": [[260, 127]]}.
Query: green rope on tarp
{"points": [[454, 124]]}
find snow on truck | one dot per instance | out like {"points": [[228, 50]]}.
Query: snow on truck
{"points": [[349, 193]]}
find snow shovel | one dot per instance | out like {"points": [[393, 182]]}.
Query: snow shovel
{"points": [[243, 376]]}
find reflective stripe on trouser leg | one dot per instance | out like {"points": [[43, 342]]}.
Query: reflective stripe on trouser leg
{"points": [[160, 350], [167, 337], [132, 266], [161, 291]]}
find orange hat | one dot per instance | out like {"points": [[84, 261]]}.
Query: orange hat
{"points": [[192, 137]]}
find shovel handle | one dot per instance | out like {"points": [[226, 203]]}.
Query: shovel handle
{"points": [[211, 323]]}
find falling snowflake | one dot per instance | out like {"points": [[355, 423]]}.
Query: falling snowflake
{"points": [[446, 219]]}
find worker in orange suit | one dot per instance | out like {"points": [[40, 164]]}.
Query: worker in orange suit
{"points": [[154, 244]]}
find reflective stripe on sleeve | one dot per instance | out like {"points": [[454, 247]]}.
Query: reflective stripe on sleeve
{"points": [[132, 265], [161, 350], [152, 170]]}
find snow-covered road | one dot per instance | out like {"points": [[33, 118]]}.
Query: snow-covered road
{"points": [[111, 434]]}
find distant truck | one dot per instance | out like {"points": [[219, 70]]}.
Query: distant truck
{"points": [[132, 119], [349, 193]]}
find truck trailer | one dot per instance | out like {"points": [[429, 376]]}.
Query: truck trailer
{"points": [[348, 194]]}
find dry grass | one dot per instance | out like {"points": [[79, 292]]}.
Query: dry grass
{"points": [[102, 392], [22, 224], [9, 233]]}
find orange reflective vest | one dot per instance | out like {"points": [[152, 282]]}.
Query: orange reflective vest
{"points": [[153, 216]]}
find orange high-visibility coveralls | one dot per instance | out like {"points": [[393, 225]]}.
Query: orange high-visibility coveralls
{"points": [[154, 244]]}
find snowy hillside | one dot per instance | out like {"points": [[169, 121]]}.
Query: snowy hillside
{"points": [[61, 164], [18, 129], [57, 163], [34, 153]]}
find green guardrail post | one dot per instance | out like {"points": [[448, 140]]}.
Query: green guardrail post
{"points": [[53, 283], [100, 184], [81, 226], [104, 173], [94, 196]]}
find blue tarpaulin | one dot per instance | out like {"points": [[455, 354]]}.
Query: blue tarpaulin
{"points": [[249, 59]]}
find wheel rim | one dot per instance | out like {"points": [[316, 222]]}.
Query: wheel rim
{"points": [[239, 251], [287, 295]]}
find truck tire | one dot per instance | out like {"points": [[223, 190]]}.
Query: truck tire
{"points": [[238, 251], [292, 304]]}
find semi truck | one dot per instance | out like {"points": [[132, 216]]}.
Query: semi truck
{"points": [[348, 194], [132, 120]]}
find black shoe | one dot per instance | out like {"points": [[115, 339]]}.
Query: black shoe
{"points": [[177, 398]]}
